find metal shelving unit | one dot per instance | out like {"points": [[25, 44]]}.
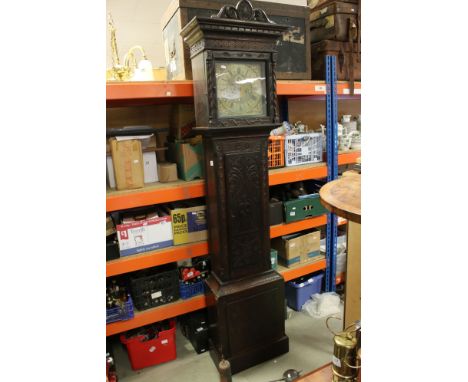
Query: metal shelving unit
{"points": [[141, 93]]}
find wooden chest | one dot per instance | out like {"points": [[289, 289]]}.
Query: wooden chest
{"points": [[293, 49]]}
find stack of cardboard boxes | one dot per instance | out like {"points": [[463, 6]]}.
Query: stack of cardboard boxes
{"points": [[297, 249], [148, 229]]}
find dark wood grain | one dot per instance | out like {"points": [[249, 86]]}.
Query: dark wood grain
{"points": [[245, 296]]}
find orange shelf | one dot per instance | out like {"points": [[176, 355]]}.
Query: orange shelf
{"points": [[287, 228], [155, 194], [154, 258], [180, 190], [159, 313], [116, 91], [293, 273], [348, 157], [120, 91], [297, 173]]}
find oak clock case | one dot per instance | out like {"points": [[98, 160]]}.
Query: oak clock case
{"points": [[233, 65]]}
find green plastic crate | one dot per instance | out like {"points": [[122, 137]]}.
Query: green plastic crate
{"points": [[299, 209]]}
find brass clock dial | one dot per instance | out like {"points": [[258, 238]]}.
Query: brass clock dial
{"points": [[240, 89]]}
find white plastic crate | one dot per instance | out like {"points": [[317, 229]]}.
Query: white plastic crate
{"points": [[303, 149]]}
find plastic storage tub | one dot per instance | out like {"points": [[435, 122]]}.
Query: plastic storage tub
{"points": [[120, 313], [190, 290], [300, 290], [151, 352]]}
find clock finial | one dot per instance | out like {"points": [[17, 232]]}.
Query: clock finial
{"points": [[243, 11]]}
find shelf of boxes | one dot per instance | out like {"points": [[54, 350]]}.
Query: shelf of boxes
{"points": [[175, 253], [138, 93], [180, 190]]}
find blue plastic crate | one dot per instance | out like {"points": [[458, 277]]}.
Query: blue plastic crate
{"points": [[300, 290], [190, 290], [120, 314]]}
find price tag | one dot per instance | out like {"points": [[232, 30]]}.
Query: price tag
{"points": [[152, 349], [156, 295], [164, 342], [199, 329], [321, 88]]}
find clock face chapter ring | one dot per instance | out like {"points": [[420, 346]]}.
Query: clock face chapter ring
{"points": [[241, 88]]}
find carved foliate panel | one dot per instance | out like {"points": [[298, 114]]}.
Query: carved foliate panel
{"points": [[243, 189]]}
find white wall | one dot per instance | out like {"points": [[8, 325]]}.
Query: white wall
{"points": [[138, 22]]}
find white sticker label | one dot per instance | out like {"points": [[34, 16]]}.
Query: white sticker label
{"points": [[211, 163], [152, 349], [168, 93], [336, 362], [347, 91], [320, 88], [156, 295], [293, 213], [199, 329], [164, 342]]}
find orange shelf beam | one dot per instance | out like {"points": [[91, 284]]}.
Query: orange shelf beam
{"points": [[293, 273], [119, 91], [349, 157], [116, 91], [159, 313], [154, 258], [161, 193], [287, 228], [297, 173]]}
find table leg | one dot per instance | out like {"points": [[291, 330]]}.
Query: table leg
{"points": [[352, 309]]}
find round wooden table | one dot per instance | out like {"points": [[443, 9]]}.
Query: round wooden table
{"points": [[343, 198]]}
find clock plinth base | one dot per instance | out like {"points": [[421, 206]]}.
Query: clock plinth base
{"points": [[246, 320]]}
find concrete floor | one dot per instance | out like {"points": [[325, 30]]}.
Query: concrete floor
{"points": [[310, 346]]}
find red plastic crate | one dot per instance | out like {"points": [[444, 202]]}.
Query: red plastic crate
{"points": [[153, 352]]}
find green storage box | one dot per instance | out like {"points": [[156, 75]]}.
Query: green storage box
{"points": [[189, 159], [274, 258], [300, 209]]}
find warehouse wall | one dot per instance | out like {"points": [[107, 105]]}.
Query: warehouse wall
{"points": [[138, 22]]}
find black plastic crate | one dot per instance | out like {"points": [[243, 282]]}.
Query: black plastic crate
{"points": [[155, 286], [194, 327]]}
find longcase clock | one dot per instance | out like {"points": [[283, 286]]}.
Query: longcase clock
{"points": [[233, 58]]}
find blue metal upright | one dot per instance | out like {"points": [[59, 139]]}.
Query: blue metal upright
{"points": [[332, 166]]}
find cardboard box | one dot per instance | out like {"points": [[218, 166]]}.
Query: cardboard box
{"points": [[189, 159], [289, 249], [161, 140], [150, 170], [295, 249], [128, 163], [189, 224], [144, 235], [182, 120], [110, 172], [311, 246], [150, 173], [167, 172]]}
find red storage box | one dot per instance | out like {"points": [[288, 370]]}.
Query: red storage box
{"points": [[152, 352]]}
